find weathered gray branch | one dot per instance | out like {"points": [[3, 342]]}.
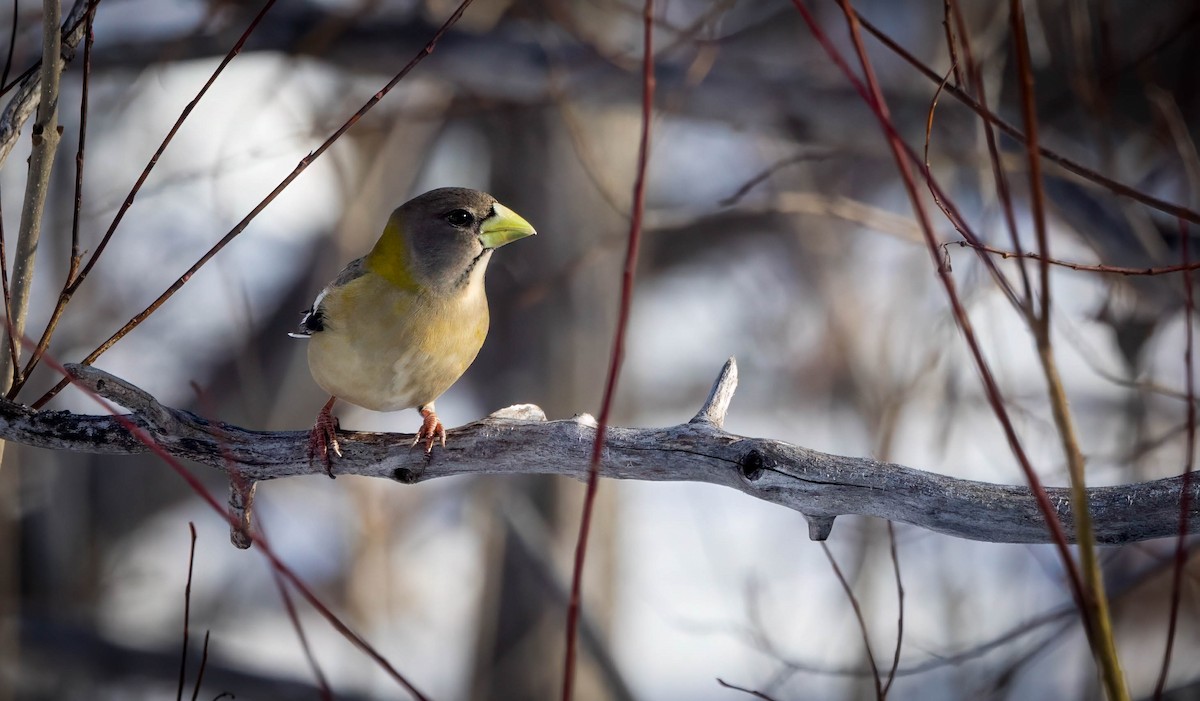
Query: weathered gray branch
{"points": [[520, 440]]}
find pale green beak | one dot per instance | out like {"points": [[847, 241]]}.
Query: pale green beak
{"points": [[503, 226]]}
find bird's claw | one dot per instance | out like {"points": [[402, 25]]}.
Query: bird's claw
{"points": [[323, 439], [432, 431]]}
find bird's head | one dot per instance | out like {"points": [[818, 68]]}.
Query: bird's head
{"points": [[436, 241]]}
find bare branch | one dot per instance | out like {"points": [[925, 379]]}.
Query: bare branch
{"points": [[45, 146], [519, 440]]}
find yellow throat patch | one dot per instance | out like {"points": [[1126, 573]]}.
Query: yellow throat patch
{"points": [[389, 258]]}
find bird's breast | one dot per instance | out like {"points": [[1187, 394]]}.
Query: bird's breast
{"points": [[384, 348]]}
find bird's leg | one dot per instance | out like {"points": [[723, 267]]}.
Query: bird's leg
{"points": [[323, 437], [432, 429]]}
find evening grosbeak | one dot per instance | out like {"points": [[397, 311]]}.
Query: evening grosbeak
{"points": [[400, 325]]}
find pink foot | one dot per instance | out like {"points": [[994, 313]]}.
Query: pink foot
{"points": [[322, 440], [431, 431]]}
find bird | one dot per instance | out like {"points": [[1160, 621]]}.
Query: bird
{"points": [[400, 325]]}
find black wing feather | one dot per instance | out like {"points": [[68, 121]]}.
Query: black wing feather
{"points": [[312, 320]]}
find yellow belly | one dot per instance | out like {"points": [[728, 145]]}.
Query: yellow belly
{"points": [[387, 349]]}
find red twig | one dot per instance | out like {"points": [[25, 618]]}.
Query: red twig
{"points": [[951, 43], [1185, 499], [1037, 195], [874, 99], [187, 613], [241, 226], [858, 615], [618, 349]]}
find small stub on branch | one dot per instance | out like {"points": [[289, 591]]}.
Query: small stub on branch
{"points": [[717, 405], [819, 527]]}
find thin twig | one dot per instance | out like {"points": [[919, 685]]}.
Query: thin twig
{"points": [[752, 692], [951, 43], [770, 170], [187, 612], [89, 38], [1003, 193], [45, 145], [1191, 159], [933, 101], [203, 665], [858, 615], [618, 349], [891, 677], [283, 184], [1082, 267], [12, 338], [1037, 194], [1185, 500]]}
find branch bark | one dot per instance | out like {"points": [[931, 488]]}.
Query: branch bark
{"points": [[519, 440]]}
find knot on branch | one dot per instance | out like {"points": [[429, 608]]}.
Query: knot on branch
{"points": [[751, 466]]}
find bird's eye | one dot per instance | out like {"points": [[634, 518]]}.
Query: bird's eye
{"points": [[459, 218]]}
